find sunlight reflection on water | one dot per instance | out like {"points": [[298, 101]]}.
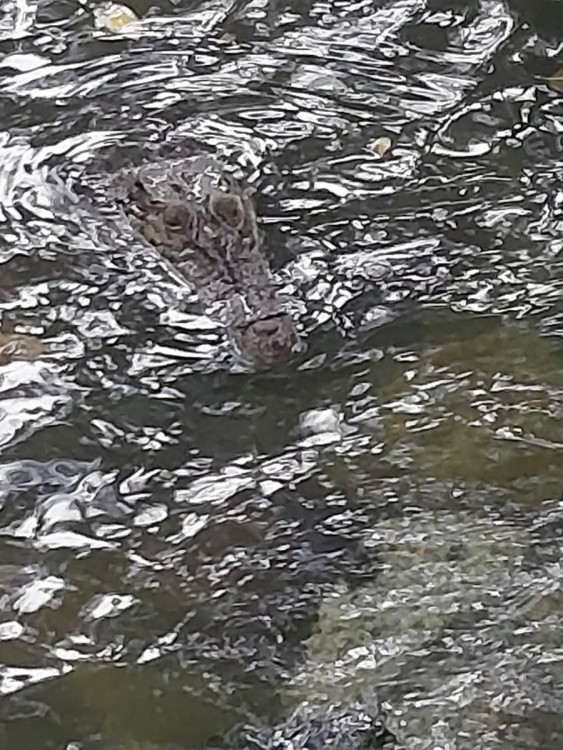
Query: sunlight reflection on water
{"points": [[189, 544]]}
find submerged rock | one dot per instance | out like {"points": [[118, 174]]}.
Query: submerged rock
{"points": [[354, 727]]}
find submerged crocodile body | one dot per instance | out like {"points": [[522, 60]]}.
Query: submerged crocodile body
{"points": [[204, 222]]}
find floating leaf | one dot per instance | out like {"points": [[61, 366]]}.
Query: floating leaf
{"points": [[380, 146], [113, 16]]}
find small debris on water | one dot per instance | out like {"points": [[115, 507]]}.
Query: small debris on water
{"points": [[113, 17], [556, 80], [380, 146]]}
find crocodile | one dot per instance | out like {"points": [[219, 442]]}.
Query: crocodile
{"points": [[203, 221]]}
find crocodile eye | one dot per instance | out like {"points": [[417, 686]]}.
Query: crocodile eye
{"points": [[228, 208], [176, 216]]}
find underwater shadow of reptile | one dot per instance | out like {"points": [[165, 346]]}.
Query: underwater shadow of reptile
{"points": [[203, 221]]}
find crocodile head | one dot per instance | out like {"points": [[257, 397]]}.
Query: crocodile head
{"points": [[204, 222]]}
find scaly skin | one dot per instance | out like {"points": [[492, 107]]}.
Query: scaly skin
{"points": [[203, 222]]}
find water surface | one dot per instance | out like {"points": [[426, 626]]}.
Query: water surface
{"points": [[188, 545]]}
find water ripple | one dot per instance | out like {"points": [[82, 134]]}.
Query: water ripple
{"points": [[190, 546]]}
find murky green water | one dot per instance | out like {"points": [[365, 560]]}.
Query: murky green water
{"points": [[188, 546]]}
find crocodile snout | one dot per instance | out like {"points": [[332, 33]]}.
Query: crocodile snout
{"points": [[267, 340]]}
